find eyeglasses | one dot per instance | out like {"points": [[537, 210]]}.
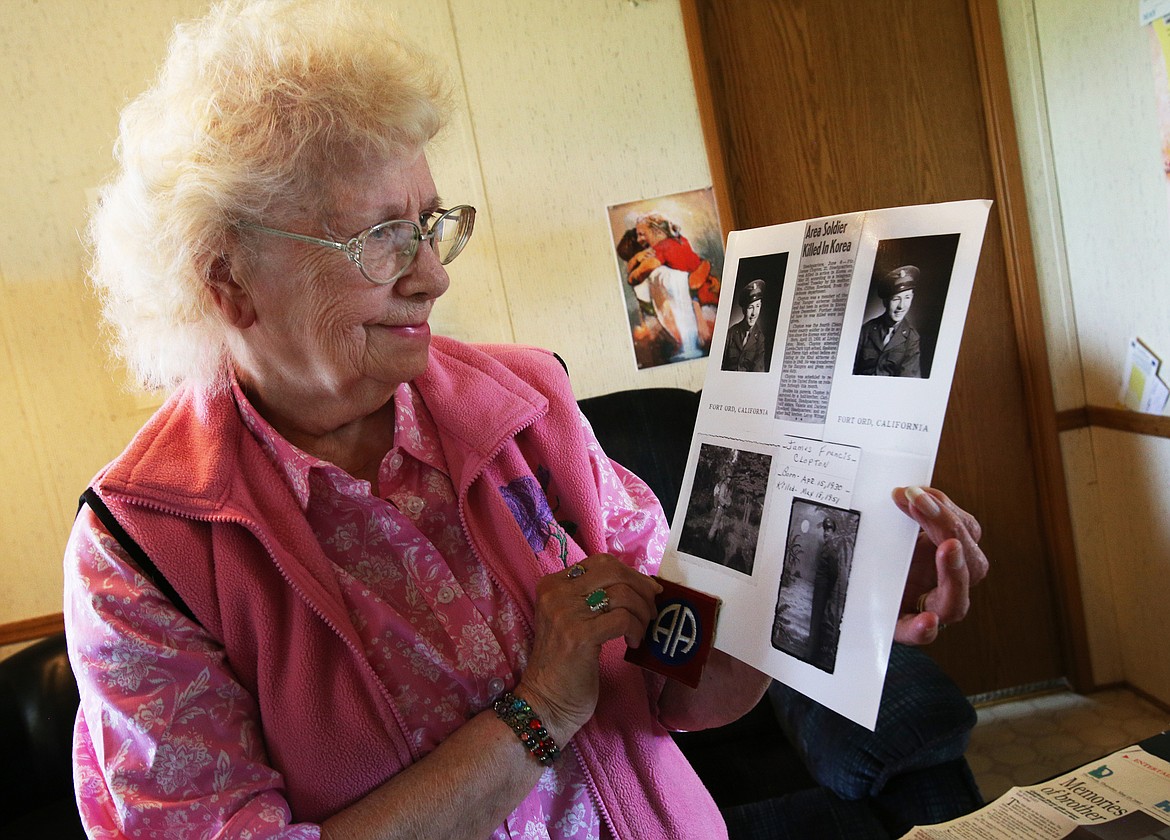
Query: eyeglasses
{"points": [[385, 251]]}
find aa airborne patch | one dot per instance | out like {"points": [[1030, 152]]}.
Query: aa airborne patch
{"points": [[679, 638]]}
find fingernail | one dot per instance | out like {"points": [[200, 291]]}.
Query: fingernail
{"points": [[956, 559], [922, 500]]}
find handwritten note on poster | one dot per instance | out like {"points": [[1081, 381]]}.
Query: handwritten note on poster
{"points": [[814, 469]]}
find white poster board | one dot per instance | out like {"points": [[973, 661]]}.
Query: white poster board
{"points": [[831, 363]]}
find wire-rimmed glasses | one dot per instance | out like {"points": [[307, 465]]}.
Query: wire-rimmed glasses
{"points": [[385, 251]]}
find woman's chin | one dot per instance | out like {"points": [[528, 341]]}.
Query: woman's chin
{"points": [[402, 363]]}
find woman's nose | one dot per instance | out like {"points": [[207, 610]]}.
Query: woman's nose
{"points": [[426, 275]]}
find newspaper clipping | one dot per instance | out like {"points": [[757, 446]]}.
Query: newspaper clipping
{"points": [[1124, 796], [830, 368]]}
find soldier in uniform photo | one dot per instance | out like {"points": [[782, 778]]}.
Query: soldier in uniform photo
{"points": [[720, 502], [834, 557], [889, 344], [746, 347]]}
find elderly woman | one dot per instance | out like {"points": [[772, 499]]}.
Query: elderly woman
{"points": [[322, 592]]}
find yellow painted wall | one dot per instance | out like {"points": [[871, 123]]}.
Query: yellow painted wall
{"points": [[565, 108], [69, 64], [1082, 85]]}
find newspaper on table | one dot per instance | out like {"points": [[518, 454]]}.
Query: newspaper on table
{"points": [[1124, 796], [831, 362]]}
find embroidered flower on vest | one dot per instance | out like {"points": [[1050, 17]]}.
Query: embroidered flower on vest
{"points": [[526, 500]]}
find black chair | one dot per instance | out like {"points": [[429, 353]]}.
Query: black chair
{"points": [[38, 702]]}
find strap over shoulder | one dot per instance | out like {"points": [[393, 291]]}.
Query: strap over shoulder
{"points": [[140, 558]]}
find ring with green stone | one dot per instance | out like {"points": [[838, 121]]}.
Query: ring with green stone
{"points": [[598, 601]]}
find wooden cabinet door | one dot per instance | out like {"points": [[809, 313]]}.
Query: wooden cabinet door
{"points": [[817, 107]]}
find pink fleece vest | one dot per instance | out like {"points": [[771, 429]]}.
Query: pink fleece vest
{"points": [[196, 491]]}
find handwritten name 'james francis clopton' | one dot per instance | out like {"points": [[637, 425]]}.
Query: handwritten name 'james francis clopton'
{"points": [[818, 455]]}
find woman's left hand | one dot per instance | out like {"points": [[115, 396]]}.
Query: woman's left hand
{"points": [[947, 562]]}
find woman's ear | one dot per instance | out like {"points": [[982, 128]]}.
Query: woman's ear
{"points": [[230, 296]]}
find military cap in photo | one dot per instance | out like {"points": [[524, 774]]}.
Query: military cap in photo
{"points": [[899, 280], [753, 291]]}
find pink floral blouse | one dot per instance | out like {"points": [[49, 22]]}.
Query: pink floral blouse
{"points": [[168, 744]]}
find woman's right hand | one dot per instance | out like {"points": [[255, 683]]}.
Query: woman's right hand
{"points": [[562, 677]]}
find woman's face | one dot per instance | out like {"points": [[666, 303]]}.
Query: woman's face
{"points": [[321, 331]]}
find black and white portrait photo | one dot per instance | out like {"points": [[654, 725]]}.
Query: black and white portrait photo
{"points": [[818, 559], [722, 523], [752, 329], [908, 292]]}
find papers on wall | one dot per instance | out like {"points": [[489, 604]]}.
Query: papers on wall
{"points": [[1151, 10], [1159, 47], [1141, 388]]}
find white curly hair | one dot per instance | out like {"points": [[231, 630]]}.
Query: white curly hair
{"points": [[255, 108]]}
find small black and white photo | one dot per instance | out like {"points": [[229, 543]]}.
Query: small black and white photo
{"points": [[751, 333], [818, 559], [907, 295], [722, 523]]}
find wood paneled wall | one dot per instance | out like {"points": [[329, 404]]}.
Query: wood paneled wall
{"points": [[818, 110]]}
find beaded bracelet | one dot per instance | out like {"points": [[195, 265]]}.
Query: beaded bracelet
{"points": [[516, 712]]}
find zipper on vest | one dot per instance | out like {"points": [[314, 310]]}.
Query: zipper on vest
{"points": [[462, 503], [594, 794]]}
